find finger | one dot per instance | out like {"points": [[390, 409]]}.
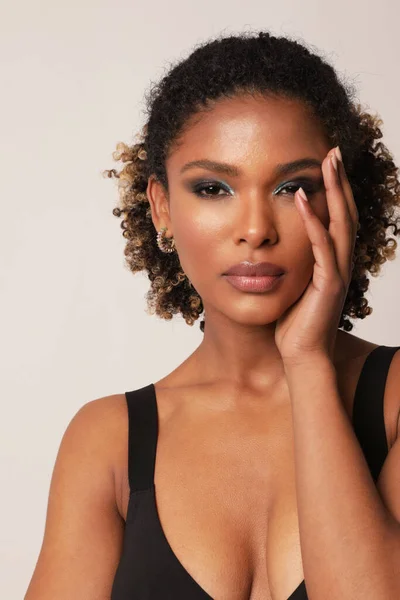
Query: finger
{"points": [[321, 242], [341, 228], [352, 209], [348, 192]]}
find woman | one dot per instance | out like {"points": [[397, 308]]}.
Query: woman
{"points": [[259, 195]]}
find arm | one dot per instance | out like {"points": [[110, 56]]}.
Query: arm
{"points": [[84, 530], [350, 541]]}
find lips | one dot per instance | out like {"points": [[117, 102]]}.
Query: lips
{"points": [[261, 269]]}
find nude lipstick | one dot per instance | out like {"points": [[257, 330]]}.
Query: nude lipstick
{"points": [[254, 277]]}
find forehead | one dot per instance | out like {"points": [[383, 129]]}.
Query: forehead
{"points": [[246, 129]]}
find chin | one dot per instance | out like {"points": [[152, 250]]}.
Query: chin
{"points": [[255, 316]]}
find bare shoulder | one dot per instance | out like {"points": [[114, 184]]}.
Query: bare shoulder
{"points": [[104, 423], [113, 411], [84, 531], [350, 347], [352, 352], [108, 418], [357, 349], [107, 415]]}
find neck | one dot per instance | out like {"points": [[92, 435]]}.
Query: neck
{"points": [[246, 356], [243, 355]]}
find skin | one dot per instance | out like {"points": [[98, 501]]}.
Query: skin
{"points": [[252, 217], [233, 387], [227, 504]]}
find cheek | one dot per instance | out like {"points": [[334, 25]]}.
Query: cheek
{"points": [[302, 261], [299, 256], [196, 241]]}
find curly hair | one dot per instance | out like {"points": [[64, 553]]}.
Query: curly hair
{"points": [[248, 64]]}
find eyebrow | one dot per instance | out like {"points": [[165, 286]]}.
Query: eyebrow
{"points": [[227, 169]]}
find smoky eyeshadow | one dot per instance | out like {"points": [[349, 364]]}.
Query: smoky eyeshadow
{"points": [[310, 184]]}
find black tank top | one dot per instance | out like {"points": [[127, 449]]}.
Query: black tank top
{"points": [[148, 568]]}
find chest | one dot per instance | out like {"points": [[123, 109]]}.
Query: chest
{"points": [[226, 504], [225, 498]]}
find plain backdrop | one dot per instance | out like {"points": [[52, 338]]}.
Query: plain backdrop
{"points": [[73, 320]]}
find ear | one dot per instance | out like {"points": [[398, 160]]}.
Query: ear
{"points": [[159, 204]]}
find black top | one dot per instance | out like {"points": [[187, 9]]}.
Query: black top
{"points": [[148, 568]]}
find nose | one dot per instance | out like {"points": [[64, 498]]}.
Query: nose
{"points": [[255, 222]]}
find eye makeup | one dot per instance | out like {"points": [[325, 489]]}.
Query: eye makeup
{"points": [[199, 187], [310, 186]]}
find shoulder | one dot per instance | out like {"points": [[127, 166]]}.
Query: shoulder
{"points": [[106, 421], [391, 399], [100, 427], [392, 389], [100, 421], [83, 530], [352, 353], [350, 347]]}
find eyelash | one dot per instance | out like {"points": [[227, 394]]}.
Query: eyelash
{"points": [[309, 189]]}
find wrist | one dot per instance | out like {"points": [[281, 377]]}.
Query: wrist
{"points": [[315, 363]]}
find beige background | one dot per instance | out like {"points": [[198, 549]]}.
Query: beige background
{"points": [[73, 321]]}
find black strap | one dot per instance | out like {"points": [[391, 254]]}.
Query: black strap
{"points": [[142, 437], [368, 407]]}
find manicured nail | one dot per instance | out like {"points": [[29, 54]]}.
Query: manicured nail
{"points": [[338, 153], [302, 194]]}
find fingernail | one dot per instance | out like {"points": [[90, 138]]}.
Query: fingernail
{"points": [[338, 153], [302, 194], [334, 161]]}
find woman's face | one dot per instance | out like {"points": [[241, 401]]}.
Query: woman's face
{"points": [[220, 217]]}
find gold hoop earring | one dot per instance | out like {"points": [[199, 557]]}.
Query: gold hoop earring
{"points": [[162, 243]]}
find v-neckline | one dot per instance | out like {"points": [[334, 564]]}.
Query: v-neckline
{"points": [[301, 588], [168, 545]]}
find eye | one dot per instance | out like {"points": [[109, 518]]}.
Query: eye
{"points": [[210, 189], [214, 186], [307, 186]]}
